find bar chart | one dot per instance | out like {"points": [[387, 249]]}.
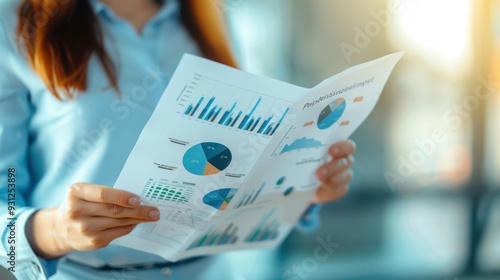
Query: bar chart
{"points": [[266, 229], [216, 237], [166, 192], [249, 198], [229, 106]]}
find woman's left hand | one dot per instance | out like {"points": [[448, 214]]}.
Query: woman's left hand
{"points": [[336, 174]]}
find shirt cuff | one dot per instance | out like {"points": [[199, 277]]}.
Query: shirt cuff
{"points": [[310, 221], [14, 240]]}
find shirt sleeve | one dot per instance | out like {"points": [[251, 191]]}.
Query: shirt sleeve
{"points": [[15, 113], [310, 221]]}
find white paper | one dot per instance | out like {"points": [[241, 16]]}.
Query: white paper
{"points": [[229, 157]]}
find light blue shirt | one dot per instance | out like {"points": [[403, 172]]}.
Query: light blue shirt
{"points": [[52, 144]]}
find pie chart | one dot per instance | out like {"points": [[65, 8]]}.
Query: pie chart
{"points": [[331, 113], [207, 158], [219, 199]]}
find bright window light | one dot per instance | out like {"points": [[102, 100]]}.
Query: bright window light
{"points": [[438, 27]]}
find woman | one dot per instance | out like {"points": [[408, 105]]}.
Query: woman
{"points": [[67, 73]]}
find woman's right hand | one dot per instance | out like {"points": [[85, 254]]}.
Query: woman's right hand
{"points": [[90, 217]]}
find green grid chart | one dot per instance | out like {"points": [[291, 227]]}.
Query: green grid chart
{"points": [[165, 192]]}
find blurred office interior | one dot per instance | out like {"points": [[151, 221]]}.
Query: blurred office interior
{"points": [[417, 208]]}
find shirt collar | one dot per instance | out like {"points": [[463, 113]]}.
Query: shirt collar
{"points": [[169, 8], [98, 6]]}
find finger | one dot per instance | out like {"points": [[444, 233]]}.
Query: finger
{"points": [[105, 237], [342, 149], [104, 223], [326, 193], [336, 166], [103, 194], [339, 179], [95, 209]]}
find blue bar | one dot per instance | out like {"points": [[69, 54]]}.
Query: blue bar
{"points": [[255, 107], [210, 113], [243, 122], [279, 122], [212, 116], [268, 129], [240, 202], [224, 117], [228, 122], [188, 110], [248, 197], [227, 114], [217, 113], [257, 194], [236, 119], [249, 124], [255, 124], [204, 112], [264, 125], [197, 105], [247, 117], [226, 233]]}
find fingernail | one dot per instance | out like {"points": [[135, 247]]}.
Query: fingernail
{"points": [[154, 214], [353, 144], [343, 162], [134, 201], [351, 159], [336, 151]]}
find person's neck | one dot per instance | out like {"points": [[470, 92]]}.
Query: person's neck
{"points": [[137, 12]]}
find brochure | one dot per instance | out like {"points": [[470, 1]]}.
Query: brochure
{"points": [[229, 157]]}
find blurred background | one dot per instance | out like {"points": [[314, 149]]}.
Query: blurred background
{"points": [[418, 208]]}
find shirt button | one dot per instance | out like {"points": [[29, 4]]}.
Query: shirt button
{"points": [[167, 272]]}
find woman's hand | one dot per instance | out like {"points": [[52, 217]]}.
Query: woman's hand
{"points": [[89, 218], [337, 173]]}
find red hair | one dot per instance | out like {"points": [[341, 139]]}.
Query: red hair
{"points": [[59, 37]]}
